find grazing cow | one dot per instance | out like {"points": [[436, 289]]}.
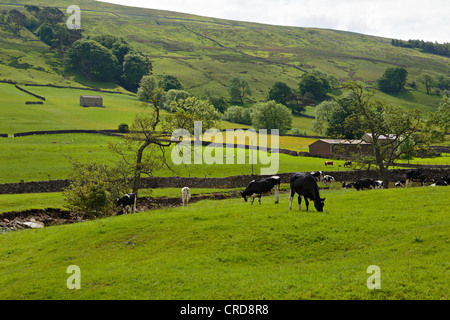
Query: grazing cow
{"points": [[379, 184], [439, 183], [400, 183], [318, 175], [347, 185], [347, 164], [328, 179], [364, 184], [329, 163], [258, 187], [185, 196], [127, 201], [305, 185], [415, 174]]}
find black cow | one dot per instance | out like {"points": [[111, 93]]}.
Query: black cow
{"points": [[258, 187], [364, 184], [347, 164], [415, 174], [318, 175], [347, 185], [446, 179], [127, 201], [305, 185]]}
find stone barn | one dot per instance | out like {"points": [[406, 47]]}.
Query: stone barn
{"points": [[328, 147], [91, 101]]}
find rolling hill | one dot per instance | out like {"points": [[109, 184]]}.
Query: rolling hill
{"points": [[204, 53]]}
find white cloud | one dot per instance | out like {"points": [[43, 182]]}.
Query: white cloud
{"points": [[401, 19]]}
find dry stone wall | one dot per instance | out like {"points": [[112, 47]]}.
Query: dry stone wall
{"points": [[219, 183]]}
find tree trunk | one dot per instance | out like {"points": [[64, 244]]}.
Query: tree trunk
{"points": [[138, 168]]}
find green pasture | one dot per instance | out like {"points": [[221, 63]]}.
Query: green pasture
{"points": [[228, 249], [48, 157]]}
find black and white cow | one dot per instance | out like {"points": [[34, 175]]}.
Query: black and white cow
{"points": [[414, 174], [379, 184], [328, 179], [318, 175], [347, 185], [258, 187], [305, 185], [127, 201], [400, 183], [185, 196], [365, 183], [439, 183]]}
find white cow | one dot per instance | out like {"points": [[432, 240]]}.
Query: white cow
{"points": [[185, 196]]}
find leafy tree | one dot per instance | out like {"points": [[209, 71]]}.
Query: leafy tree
{"points": [[134, 68], [325, 112], [93, 60], [280, 92], [407, 149], [238, 114], [46, 33], [92, 191], [381, 120], [331, 117], [238, 88], [393, 80], [316, 85], [192, 109], [120, 49], [174, 95], [33, 10], [442, 81], [143, 149], [428, 81], [438, 123], [271, 115], [51, 15], [332, 80], [13, 21], [219, 103], [170, 82]]}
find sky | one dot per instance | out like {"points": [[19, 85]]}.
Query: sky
{"points": [[400, 19]]}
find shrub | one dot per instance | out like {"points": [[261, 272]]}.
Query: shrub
{"points": [[123, 128], [92, 190]]}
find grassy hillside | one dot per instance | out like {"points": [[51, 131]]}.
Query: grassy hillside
{"points": [[204, 53], [229, 249]]}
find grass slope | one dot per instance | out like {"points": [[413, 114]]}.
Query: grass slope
{"points": [[229, 249], [204, 53]]}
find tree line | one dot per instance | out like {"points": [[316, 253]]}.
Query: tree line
{"points": [[442, 49]]}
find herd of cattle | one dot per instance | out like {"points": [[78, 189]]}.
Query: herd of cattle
{"points": [[304, 184]]}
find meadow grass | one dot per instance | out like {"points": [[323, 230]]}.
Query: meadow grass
{"points": [[229, 249], [49, 157]]}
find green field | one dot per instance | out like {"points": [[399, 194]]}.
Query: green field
{"points": [[48, 157], [229, 249]]}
